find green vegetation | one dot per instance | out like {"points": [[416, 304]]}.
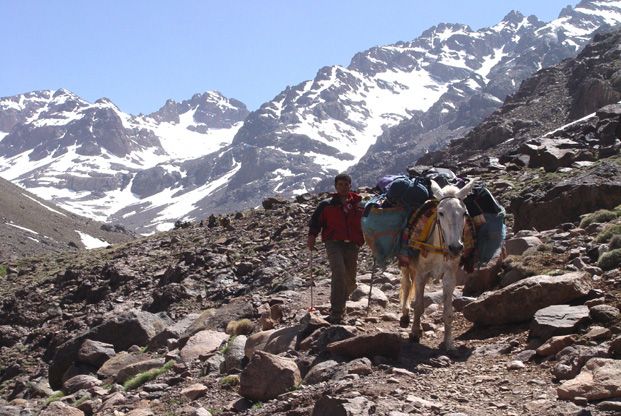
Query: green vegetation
{"points": [[257, 406], [606, 235], [230, 380], [3, 270], [240, 327], [227, 344], [54, 397], [81, 400], [615, 242], [139, 379], [610, 260], [603, 215]]}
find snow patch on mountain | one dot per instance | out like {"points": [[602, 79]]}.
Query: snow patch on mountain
{"points": [[91, 242]]}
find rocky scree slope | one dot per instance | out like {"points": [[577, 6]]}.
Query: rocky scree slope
{"points": [[552, 97], [81, 323], [30, 226]]}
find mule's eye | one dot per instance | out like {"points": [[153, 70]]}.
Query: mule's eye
{"points": [[441, 214]]}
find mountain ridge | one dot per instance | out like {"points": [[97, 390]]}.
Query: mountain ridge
{"points": [[388, 107]]}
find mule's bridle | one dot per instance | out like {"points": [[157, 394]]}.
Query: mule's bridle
{"points": [[426, 248]]}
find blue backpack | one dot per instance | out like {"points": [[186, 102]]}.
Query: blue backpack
{"points": [[382, 228]]}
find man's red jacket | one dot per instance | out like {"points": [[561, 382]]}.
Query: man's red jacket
{"points": [[338, 221]]}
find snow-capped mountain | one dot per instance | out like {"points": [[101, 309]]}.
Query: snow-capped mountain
{"points": [[206, 155], [94, 159], [430, 90]]}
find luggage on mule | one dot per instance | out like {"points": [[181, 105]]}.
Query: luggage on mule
{"points": [[410, 193], [385, 216], [385, 219], [382, 228]]}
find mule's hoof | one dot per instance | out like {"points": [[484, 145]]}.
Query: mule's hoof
{"points": [[404, 322], [415, 338]]}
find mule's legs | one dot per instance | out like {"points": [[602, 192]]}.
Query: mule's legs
{"points": [[419, 305], [405, 295], [448, 286]]}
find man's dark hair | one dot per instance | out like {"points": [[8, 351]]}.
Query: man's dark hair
{"points": [[342, 176]]}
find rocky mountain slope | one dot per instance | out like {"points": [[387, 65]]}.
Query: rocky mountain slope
{"points": [[402, 99], [95, 160], [31, 226], [202, 297], [213, 317], [568, 93]]}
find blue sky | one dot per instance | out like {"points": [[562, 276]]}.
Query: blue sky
{"points": [[139, 53]]}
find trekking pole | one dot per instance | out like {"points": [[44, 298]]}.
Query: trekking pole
{"points": [[312, 282], [371, 285]]}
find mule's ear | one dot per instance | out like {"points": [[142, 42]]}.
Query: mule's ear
{"points": [[465, 191], [436, 191]]}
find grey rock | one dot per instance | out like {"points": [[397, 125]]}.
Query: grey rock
{"points": [[233, 354], [122, 331], [517, 246], [357, 406], [282, 373], [558, 320], [519, 301], [95, 353], [321, 372], [604, 313], [81, 382]]}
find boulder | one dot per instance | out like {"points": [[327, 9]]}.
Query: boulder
{"points": [[383, 343], [111, 368], [558, 320], [517, 246], [267, 376], [95, 353], [81, 382], [550, 153], [599, 188], [555, 344], [201, 344], [234, 354], [194, 391], [356, 406], [599, 379], [136, 368], [604, 313], [134, 327], [519, 301], [321, 372], [362, 292], [571, 359], [272, 341], [173, 331], [615, 347], [483, 278], [319, 340], [59, 408]]}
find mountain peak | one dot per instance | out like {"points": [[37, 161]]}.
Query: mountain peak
{"points": [[62, 92], [514, 16]]}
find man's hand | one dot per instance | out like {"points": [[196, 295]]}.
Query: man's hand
{"points": [[310, 242]]}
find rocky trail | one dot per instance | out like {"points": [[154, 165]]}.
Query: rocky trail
{"points": [[213, 318]]}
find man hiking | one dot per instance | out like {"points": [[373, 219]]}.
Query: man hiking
{"points": [[338, 219]]}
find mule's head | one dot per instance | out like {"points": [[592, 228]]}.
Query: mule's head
{"points": [[452, 214]]}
